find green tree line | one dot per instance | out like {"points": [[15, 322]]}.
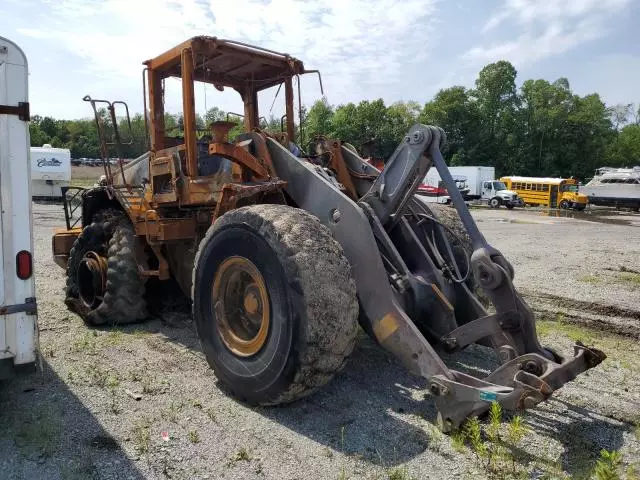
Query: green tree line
{"points": [[539, 129]]}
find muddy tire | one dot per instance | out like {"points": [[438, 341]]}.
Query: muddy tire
{"points": [[495, 202], [307, 293], [111, 235]]}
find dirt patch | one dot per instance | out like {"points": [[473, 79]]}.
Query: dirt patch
{"points": [[84, 176]]}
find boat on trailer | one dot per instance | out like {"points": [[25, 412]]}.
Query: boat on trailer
{"points": [[614, 187]]}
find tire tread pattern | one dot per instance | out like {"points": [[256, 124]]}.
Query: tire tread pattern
{"points": [[123, 301], [319, 274]]}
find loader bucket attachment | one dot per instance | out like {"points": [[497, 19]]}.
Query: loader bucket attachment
{"points": [[413, 301]]}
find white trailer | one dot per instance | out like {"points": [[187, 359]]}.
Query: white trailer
{"points": [[18, 312], [50, 171]]}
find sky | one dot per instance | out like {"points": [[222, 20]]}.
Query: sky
{"points": [[365, 49]]}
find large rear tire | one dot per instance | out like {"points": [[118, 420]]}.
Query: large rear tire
{"points": [[292, 321], [121, 299]]}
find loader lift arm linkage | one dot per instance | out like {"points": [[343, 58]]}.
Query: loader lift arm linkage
{"points": [[529, 373]]}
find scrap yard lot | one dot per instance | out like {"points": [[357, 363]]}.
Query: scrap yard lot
{"points": [[141, 402]]}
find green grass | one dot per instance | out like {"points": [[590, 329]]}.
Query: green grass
{"points": [[86, 344], [630, 278], [83, 182], [211, 413], [592, 279], [623, 349], [194, 437], [141, 435], [173, 412], [399, 473], [242, 455]]}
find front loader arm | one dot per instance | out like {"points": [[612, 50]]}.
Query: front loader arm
{"points": [[374, 235]]}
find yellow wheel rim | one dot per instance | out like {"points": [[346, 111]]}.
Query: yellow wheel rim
{"points": [[241, 305]]}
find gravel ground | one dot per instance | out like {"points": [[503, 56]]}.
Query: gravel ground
{"points": [[80, 418]]}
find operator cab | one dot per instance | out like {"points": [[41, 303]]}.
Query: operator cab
{"points": [[176, 161]]}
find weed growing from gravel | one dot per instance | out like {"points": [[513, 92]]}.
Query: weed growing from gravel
{"points": [[173, 411], [436, 438], [492, 446], [630, 278], [592, 279], [112, 382], [115, 337], [242, 455], [211, 413], [457, 441], [150, 386], [139, 333], [114, 405], [194, 437], [399, 473], [609, 467], [85, 344], [343, 473], [142, 435], [97, 376], [135, 375]]}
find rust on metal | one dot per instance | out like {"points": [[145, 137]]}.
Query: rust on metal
{"points": [[220, 131], [188, 109], [288, 92], [233, 192], [239, 155], [242, 319], [62, 243]]}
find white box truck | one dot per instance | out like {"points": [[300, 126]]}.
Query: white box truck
{"points": [[483, 186], [50, 171], [18, 312]]}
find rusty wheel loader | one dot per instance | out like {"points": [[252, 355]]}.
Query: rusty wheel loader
{"points": [[284, 253]]}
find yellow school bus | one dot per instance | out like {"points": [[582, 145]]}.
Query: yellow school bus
{"points": [[547, 192]]}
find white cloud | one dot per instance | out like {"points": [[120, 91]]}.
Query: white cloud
{"points": [[360, 46], [527, 12], [546, 28]]}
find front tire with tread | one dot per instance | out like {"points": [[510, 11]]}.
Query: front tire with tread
{"points": [[312, 301]]}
